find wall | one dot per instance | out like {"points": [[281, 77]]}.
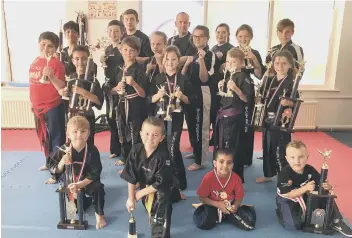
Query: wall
{"points": [[334, 100]]}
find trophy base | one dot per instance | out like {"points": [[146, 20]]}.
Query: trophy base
{"points": [[132, 236], [284, 129], [65, 98], [176, 110], [161, 113], [320, 230], [75, 226], [229, 96]]}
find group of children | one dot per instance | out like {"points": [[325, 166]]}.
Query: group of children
{"points": [[144, 77]]}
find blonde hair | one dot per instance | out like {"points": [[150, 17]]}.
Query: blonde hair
{"points": [[236, 53], [296, 144], [78, 122]]}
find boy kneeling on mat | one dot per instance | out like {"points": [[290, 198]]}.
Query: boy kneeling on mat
{"points": [[221, 193]]}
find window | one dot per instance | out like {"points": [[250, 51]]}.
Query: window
{"points": [[160, 16], [236, 13], [24, 28], [313, 27]]}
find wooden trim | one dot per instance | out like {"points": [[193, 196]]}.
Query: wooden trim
{"points": [[7, 52], [205, 12], [270, 22]]}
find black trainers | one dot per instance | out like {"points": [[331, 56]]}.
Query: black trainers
{"points": [[342, 228]]}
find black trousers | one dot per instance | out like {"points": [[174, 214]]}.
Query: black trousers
{"points": [[199, 124], [228, 135], [115, 145], [161, 214], [174, 149], [247, 137], [274, 150], [214, 108]]}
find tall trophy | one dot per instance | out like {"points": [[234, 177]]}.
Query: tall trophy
{"points": [[224, 91], [261, 97], [102, 44], [123, 93], [170, 107], [178, 102], [285, 116], [82, 21], [68, 210], [318, 217], [221, 88], [246, 49], [162, 110]]}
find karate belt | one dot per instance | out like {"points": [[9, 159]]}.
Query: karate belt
{"points": [[149, 203], [230, 112], [298, 199], [129, 96]]}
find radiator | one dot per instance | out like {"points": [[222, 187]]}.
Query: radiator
{"points": [[306, 118], [16, 115]]}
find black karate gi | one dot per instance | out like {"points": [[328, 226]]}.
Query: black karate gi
{"points": [[184, 44], [215, 99], [295, 50], [92, 169], [153, 171], [131, 111], [231, 120], [289, 211], [275, 141], [177, 118], [70, 68], [87, 114], [114, 59], [145, 51], [198, 112]]}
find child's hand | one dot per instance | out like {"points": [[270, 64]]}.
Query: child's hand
{"points": [[250, 55], [103, 59], [234, 209], [130, 81], [178, 94], [74, 187], [201, 54], [139, 195], [221, 83], [310, 186], [161, 92], [48, 71], [130, 205], [79, 90], [222, 206], [326, 186], [63, 92], [120, 86], [150, 66], [231, 84]]}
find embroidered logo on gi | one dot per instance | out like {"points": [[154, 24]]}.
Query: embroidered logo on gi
{"points": [[288, 184], [146, 169], [168, 162]]}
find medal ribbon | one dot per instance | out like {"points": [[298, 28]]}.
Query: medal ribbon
{"points": [[223, 187], [278, 87]]}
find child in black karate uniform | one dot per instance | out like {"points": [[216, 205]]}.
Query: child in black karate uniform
{"points": [[149, 165], [86, 166], [131, 107], [176, 84], [231, 116], [112, 58]]}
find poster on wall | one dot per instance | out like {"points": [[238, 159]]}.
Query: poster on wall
{"points": [[102, 10]]}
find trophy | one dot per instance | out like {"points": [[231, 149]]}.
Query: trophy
{"points": [[68, 215], [229, 92], [170, 108], [123, 93], [246, 49], [132, 232], [178, 102], [221, 88], [81, 20], [45, 79], [286, 115], [318, 218], [78, 102], [161, 110], [102, 44]]}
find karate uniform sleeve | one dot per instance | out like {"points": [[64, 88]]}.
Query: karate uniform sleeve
{"points": [[210, 60], [204, 187], [239, 191], [164, 175], [315, 176], [247, 86], [94, 165], [99, 93], [257, 54], [284, 183], [129, 173], [188, 91]]}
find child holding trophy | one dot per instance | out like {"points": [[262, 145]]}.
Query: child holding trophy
{"points": [[171, 90], [235, 90], [130, 83], [86, 168], [46, 77], [294, 182]]}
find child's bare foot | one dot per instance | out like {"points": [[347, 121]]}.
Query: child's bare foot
{"points": [[50, 181], [100, 221], [263, 180], [42, 168], [119, 163], [194, 167], [183, 197], [112, 156]]}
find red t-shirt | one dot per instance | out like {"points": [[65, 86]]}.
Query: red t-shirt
{"points": [[210, 187], [41, 94]]}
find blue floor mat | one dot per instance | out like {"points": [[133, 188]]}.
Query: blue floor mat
{"points": [[30, 208], [343, 137]]}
